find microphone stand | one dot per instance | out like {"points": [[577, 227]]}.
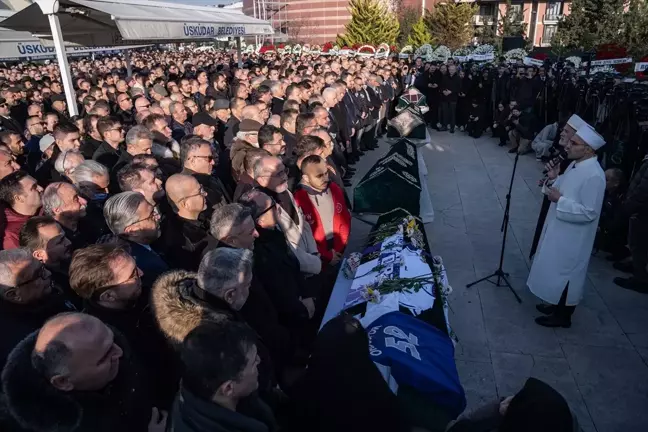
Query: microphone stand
{"points": [[502, 276]]}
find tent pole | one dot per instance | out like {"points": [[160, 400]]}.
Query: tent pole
{"points": [[129, 66], [64, 67], [238, 51]]}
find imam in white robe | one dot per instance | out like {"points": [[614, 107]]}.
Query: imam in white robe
{"points": [[568, 234]]}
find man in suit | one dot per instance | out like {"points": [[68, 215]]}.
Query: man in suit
{"points": [[338, 116], [134, 220], [6, 122]]}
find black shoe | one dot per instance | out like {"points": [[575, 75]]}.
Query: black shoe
{"points": [[547, 309], [513, 150], [346, 183], [553, 321], [452, 130], [361, 153], [502, 144], [632, 284], [625, 267]]}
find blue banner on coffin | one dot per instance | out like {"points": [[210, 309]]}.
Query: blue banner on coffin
{"points": [[419, 356]]}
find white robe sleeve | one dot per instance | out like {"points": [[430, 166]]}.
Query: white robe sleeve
{"points": [[588, 206]]}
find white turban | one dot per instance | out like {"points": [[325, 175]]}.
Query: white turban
{"points": [[576, 122], [590, 136]]}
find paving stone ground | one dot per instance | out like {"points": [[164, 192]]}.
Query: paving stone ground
{"points": [[600, 364]]}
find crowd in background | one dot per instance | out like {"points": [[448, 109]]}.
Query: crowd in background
{"points": [[168, 254]]}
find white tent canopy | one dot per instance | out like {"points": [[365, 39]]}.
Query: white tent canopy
{"points": [[15, 45], [120, 22], [114, 22]]}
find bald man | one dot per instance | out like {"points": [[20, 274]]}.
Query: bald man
{"points": [[185, 239], [252, 112], [65, 369]]}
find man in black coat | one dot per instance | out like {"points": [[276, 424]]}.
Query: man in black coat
{"points": [[636, 207], [220, 380], [236, 106], [198, 160], [185, 238], [6, 121], [20, 311], [108, 280], [112, 133], [277, 266], [96, 386], [233, 227], [450, 87]]}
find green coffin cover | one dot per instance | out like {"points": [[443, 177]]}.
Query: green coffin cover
{"points": [[393, 182]]}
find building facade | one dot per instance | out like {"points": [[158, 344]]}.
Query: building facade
{"points": [[320, 21], [540, 18]]}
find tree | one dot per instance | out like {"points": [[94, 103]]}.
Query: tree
{"points": [[300, 29], [371, 23], [591, 23], [487, 34], [635, 35], [451, 24], [512, 22], [420, 35], [407, 17]]}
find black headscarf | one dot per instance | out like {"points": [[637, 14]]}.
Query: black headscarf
{"points": [[538, 408]]}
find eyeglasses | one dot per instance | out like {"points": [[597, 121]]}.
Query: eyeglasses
{"points": [[134, 277], [209, 158], [273, 205], [41, 274], [200, 193], [152, 216]]}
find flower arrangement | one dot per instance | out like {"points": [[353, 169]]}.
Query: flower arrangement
{"points": [[604, 70], [426, 51], [366, 51], [407, 49], [484, 49], [315, 49], [442, 53], [576, 60], [382, 51], [267, 49], [249, 49], [335, 50], [297, 49], [306, 49], [327, 47], [462, 52], [515, 54]]}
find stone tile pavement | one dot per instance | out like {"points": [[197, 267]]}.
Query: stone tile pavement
{"points": [[600, 365]]}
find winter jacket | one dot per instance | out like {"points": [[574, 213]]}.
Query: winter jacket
{"points": [[184, 242], [12, 222], [194, 414], [36, 406], [180, 305], [636, 200]]}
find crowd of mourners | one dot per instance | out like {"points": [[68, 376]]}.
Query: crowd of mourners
{"points": [[168, 254]]}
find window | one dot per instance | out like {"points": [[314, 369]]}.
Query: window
{"points": [[553, 9], [516, 8], [549, 32], [487, 9]]}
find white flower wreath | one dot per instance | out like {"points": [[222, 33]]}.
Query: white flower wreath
{"points": [[426, 51], [515, 54], [442, 53], [603, 69], [382, 51], [576, 60], [484, 49]]}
